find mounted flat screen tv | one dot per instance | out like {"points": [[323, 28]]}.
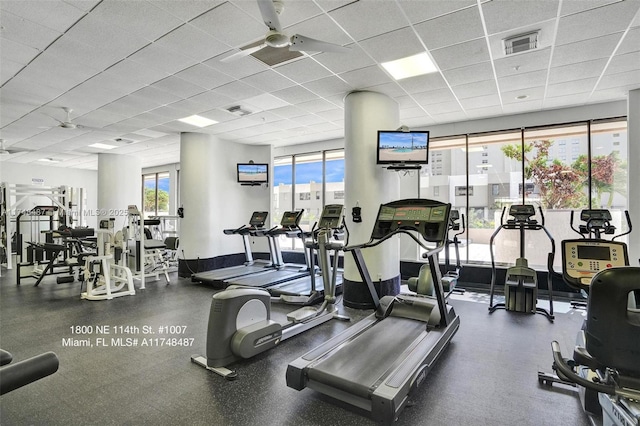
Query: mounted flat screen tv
{"points": [[398, 148], [253, 173]]}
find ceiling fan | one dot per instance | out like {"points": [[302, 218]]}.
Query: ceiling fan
{"points": [[270, 9], [9, 151], [67, 124]]}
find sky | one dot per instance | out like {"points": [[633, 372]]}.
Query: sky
{"points": [[307, 172], [401, 139]]}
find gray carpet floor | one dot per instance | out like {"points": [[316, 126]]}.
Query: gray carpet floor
{"points": [[487, 376]]}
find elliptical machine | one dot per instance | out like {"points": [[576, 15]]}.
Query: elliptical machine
{"points": [[451, 275], [240, 324], [596, 266], [521, 281]]}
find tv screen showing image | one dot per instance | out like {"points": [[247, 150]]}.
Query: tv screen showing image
{"points": [[253, 173], [396, 147]]}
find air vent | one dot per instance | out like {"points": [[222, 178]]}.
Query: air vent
{"points": [[521, 43], [238, 110]]}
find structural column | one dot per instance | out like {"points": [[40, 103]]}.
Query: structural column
{"points": [[633, 137], [367, 186], [119, 185], [199, 233]]}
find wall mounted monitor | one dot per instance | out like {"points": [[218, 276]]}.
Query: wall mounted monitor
{"points": [[397, 148], [253, 173]]}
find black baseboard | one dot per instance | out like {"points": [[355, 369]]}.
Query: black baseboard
{"points": [[356, 294]]}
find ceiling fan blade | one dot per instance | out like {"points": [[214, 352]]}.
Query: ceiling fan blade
{"points": [[243, 53], [269, 14], [308, 44]]}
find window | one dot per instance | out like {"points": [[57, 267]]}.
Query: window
{"points": [[436, 191], [338, 195], [305, 196], [464, 190], [155, 193], [495, 189]]}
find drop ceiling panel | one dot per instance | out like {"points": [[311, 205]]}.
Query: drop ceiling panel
{"points": [[470, 90], [365, 77], [204, 76], [506, 15], [597, 22], [571, 7], [577, 71], [481, 101], [93, 31], [243, 28], [26, 32], [8, 69], [357, 58], [178, 87], [17, 52], [157, 57], [135, 75], [292, 13], [67, 48], [367, 18], [622, 63], [423, 83], [141, 18], [294, 95], [54, 14], [511, 97], [629, 79], [238, 90], [573, 53], [268, 81], [238, 68], [534, 60], [303, 70], [192, 42], [186, 10], [523, 80], [515, 108], [436, 110], [566, 100], [393, 45], [212, 99], [417, 11], [461, 55], [469, 74], [631, 42], [434, 97], [320, 28], [85, 5], [264, 102], [453, 28]]}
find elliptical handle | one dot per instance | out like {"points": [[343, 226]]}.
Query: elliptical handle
{"points": [[629, 227], [572, 227], [504, 209], [541, 215]]}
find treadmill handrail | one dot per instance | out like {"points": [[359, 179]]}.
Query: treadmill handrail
{"points": [[407, 231]]}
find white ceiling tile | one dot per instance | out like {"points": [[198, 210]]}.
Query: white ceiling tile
{"points": [[411, 113], [186, 10], [434, 97], [522, 80], [264, 102], [631, 42], [418, 12], [309, 119], [571, 7], [238, 68], [189, 107], [85, 5], [392, 90], [320, 28], [156, 96], [212, 99], [613, 94], [179, 87], [289, 111], [238, 90], [578, 71], [566, 100], [470, 90], [484, 112], [204, 76], [268, 81], [134, 74], [629, 78], [293, 12], [156, 57], [533, 93], [54, 14], [469, 74], [26, 32], [44, 93], [622, 63], [514, 108], [136, 17], [303, 70], [481, 101], [192, 42], [456, 27], [461, 55], [503, 15], [294, 95], [614, 18], [436, 110], [333, 115], [368, 18], [67, 48], [245, 28], [8, 69], [93, 31], [601, 47], [67, 75], [101, 117], [365, 77], [356, 58], [393, 45], [423, 83], [534, 60], [16, 52], [317, 105]]}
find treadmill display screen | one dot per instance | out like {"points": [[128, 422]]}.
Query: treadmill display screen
{"points": [[594, 253], [290, 219], [417, 214]]}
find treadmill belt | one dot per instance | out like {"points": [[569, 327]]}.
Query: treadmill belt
{"points": [[267, 279], [357, 366], [226, 273]]}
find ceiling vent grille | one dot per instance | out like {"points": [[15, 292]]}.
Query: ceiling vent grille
{"points": [[272, 56], [238, 110], [521, 43]]}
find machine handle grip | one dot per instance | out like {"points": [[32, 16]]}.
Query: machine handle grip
{"points": [[24, 372], [566, 371]]}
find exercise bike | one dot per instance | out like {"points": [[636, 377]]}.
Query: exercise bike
{"points": [[521, 281], [240, 324], [599, 269]]}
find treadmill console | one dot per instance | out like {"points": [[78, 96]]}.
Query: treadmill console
{"points": [[291, 219], [258, 219], [428, 217], [521, 212], [332, 216], [582, 259]]}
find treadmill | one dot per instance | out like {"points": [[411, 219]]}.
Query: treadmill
{"points": [[376, 363], [304, 290], [250, 266], [280, 272]]}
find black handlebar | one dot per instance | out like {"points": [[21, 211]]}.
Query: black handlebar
{"points": [[24, 372]]}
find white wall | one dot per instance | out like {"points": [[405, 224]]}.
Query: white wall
{"points": [[55, 176]]}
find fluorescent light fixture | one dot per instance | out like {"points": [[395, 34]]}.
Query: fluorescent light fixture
{"points": [[410, 66], [102, 146], [49, 160], [196, 120]]}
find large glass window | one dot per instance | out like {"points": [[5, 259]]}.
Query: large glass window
{"points": [[155, 194], [309, 178]]}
